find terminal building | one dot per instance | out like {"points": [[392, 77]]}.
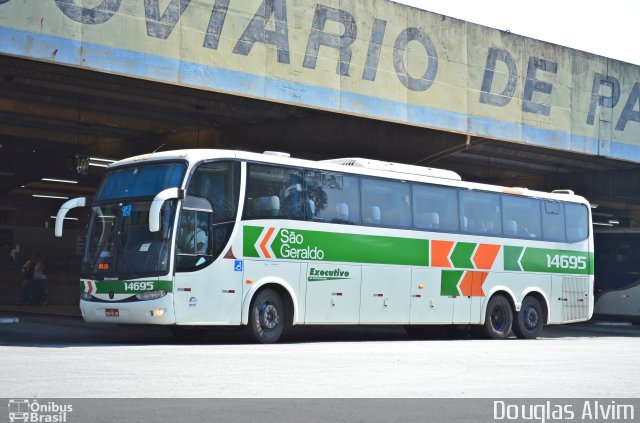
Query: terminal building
{"points": [[86, 83]]}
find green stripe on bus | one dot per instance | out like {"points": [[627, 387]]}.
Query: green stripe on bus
{"points": [[449, 282], [545, 260], [461, 255], [511, 256], [341, 247], [250, 235], [294, 244]]}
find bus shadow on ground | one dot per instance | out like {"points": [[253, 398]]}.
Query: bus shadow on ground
{"points": [[65, 332], [594, 329], [591, 329]]}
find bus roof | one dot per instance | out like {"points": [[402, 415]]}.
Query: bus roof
{"points": [[396, 167], [356, 166]]}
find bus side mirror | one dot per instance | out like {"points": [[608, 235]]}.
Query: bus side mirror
{"points": [[71, 204], [156, 206]]}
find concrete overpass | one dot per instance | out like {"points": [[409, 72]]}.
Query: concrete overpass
{"points": [[319, 79]]}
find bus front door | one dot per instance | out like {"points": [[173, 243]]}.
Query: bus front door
{"points": [[210, 296]]}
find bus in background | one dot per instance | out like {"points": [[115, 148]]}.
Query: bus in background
{"points": [[617, 274], [200, 238]]}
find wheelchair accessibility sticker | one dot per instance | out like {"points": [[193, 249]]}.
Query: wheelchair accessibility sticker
{"points": [[126, 210], [237, 266]]}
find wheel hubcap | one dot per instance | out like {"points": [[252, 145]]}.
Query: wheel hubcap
{"points": [[531, 317], [269, 317], [499, 319]]}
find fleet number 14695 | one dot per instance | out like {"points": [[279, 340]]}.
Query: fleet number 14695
{"points": [[138, 286], [566, 262]]}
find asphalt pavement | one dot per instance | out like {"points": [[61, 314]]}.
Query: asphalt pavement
{"points": [[62, 356]]}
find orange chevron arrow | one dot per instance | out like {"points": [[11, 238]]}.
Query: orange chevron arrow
{"points": [[471, 285], [440, 251], [265, 241], [485, 256], [466, 286]]}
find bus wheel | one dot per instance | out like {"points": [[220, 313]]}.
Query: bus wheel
{"points": [[530, 319], [499, 318], [266, 317]]}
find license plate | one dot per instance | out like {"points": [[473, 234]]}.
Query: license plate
{"points": [[112, 312]]}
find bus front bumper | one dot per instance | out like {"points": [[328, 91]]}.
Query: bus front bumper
{"points": [[152, 312]]}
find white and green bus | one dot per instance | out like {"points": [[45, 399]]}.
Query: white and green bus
{"points": [[201, 238]]}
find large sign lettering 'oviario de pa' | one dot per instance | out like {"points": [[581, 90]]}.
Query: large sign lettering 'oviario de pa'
{"points": [[370, 58]]}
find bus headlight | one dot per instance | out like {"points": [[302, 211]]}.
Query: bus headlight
{"points": [[151, 295], [85, 296]]}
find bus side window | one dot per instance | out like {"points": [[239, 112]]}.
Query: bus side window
{"points": [[577, 222], [553, 227], [386, 203], [218, 182], [371, 215], [274, 191], [342, 213], [310, 209], [316, 201], [435, 208], [268, 206], [521, 217], [332, 197], [480, 213], [511, 228], [194, 241]]}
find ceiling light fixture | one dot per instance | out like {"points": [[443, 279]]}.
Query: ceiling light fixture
{"points": [[100, 162], [64, 181], [99, 159], [50, 196], [602, 214], [66, 218]]}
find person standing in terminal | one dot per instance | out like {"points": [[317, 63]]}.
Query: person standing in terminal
{"points": [[27, 281], [39, 289]]}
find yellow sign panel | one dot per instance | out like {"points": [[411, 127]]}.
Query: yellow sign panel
{"points": [[371, 58]]}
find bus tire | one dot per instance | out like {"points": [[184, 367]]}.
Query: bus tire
{"points": [[530, 320], [498, 318], [266, 317]]}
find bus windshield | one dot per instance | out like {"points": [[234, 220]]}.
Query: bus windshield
{"points": [[140, 181], [119, 243]]}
